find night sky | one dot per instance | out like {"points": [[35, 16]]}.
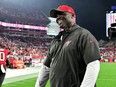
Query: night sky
{"points": [[91, 14]]}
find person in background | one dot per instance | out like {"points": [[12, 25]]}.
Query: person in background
{"points": [[4, 61], [73, 56]]}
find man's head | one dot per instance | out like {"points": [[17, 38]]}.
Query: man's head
{"points": [[65, 16]]}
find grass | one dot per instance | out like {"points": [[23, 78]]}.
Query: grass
{"points": [[107, 75], [23, 83], [106, 78]]}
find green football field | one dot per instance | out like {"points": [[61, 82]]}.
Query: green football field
{"points": [[106, 78]]}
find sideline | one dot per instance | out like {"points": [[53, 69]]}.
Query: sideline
{"points": [[13, 75]]}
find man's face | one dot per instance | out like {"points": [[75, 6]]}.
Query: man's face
{"points": [[64, 20]]}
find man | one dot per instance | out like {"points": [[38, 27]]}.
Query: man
{"points": [[3, 62], [73, 56]]}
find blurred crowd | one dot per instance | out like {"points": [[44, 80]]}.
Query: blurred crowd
{"points": [[108, 51], [29, 45], [24, 44], [23, 15]]}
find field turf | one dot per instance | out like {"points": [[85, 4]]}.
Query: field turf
{"points": [[106, 78]]}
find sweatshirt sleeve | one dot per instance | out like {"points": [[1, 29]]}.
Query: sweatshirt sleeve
{"points": [[43, 76], [91, 74]]}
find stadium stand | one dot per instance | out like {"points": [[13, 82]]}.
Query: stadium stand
{"points": [[28, 44], [108, 51], [25, 46], [21, 15]]}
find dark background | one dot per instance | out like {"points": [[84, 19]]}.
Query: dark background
{"points": [[91, 14]]}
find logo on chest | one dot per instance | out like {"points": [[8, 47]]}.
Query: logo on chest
{"points": [[67, 43]]}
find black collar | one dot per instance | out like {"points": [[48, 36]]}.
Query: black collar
{"points": [[71, 29], [68, 31]]}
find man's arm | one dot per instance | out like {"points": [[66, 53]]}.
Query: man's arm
{"points": [[43, 76], [91, 74]]}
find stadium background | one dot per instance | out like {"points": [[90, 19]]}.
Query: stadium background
{"points": [[23, 31]]}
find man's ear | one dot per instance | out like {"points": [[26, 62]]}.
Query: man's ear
{"points": [[72, 15]]}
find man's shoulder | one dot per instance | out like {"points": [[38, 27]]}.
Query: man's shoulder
{"points": [[84, 30], [81, 30]]}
